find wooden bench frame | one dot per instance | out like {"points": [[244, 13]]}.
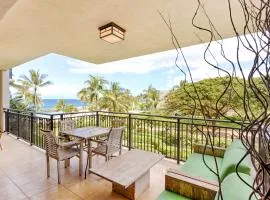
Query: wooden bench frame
{"points": [[208, 150], [190, 186]]}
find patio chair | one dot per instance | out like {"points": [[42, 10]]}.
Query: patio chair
{"points": [[59, 151], [111, 146], [65, 126], [116, 123]]}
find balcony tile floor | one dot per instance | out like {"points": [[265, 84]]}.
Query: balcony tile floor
{"points": [[23, 176]]}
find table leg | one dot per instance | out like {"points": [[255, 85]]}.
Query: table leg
{"points": [[136, 189], [67, 163], [81, 158]]}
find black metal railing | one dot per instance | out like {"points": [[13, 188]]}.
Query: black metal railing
{"points": [[171, 136]]}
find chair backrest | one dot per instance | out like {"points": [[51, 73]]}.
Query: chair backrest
{"points": [[115, 139], [117, 123], [50, 143], [67, 125]]}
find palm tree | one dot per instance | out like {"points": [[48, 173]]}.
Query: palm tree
{"points": [[151, 97], [83, 96], [116, 99], [94, 89], [62, 106], [28, 87], [17, 103]]}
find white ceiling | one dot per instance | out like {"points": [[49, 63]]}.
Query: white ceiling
{"points": [[33, 28]]}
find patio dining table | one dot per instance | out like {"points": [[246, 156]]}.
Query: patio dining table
{"points": [[86, 134]]}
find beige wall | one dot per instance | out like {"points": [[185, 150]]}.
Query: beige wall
{"points": [[4, 95]]}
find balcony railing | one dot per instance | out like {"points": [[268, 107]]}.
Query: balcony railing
{"points": [[169, 135]]}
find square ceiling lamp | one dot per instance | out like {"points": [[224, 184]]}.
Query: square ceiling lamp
{"points": [[112, 33]]}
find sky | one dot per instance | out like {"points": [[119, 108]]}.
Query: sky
{"points": [[159, 70]]}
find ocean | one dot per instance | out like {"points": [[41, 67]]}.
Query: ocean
{"points": [[50, 103]]}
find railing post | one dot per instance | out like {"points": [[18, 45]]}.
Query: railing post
{"points": [[31, 128], [178, 140], [18, 125], [7, 121], [129, 132], [51, 124], [97, 118], [61, 117]]}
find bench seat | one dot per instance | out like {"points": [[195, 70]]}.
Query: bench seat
{"points": [[195, 180], [233, 187], [241, 191], [167, 195], [196, 167]]}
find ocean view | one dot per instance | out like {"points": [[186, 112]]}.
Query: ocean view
{"points": [[50, 103]]}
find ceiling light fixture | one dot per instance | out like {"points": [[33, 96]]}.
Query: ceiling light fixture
{"points": [[112, 33]]}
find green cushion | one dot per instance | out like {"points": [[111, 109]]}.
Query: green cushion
{"points": [[233, 188], [196, 167], [167, 195], [236, 144], [230, 161]]}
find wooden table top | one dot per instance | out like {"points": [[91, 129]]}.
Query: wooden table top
{"points": [[88, 132], [127, 168]]}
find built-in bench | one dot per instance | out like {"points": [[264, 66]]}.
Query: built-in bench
{"points": [[198, 178]]}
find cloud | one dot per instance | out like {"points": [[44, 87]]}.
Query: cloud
{"points": [[60, 90], [201, 70], [138, 65], [166, 60]]}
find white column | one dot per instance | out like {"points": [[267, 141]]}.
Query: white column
{"points": [[4, 95]]}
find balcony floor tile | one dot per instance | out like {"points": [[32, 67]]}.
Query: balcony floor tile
{"points": [[23, 176]]}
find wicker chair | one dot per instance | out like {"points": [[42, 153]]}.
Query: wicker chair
{"points": [[59, 151], [66, 125], [111, 146]]}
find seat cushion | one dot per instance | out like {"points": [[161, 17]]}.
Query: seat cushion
{"points": [[196, 167], [230, 161], [167, 195], [66, 153], [236, 144], [102, 150], [233, 187]]}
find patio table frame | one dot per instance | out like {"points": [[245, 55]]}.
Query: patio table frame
{"points": [[87, 134]]}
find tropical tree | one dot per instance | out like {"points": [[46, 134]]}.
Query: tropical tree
{"points": [[116, 98], [17, 103], [150, 98], [183, 100], [70, 108], [93, 90], [28, 87], [62, 106]]}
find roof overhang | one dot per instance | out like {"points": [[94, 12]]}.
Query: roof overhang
{"points": [[33, 28]]}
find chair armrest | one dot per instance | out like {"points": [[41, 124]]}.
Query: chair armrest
{"points": [[190, 187], [98, 141], [217, 151], [71, 143]]}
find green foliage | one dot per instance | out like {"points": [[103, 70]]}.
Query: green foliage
{"points": [[93, 90], [116, 99], [148, 100], [97, 96], [63, 107], [211, 98], [28, 87], [18, 103]]}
